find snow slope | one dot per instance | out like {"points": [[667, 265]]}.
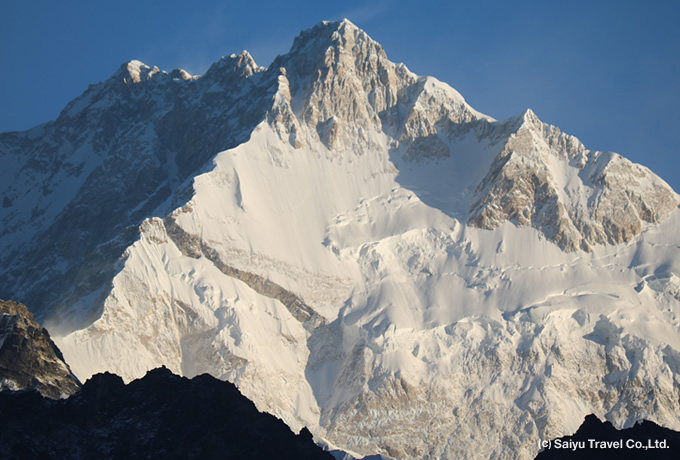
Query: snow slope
{"points": [[415, 308], [379, 262]]}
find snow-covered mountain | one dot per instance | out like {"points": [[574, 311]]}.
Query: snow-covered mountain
{"points": [[354, 246]]}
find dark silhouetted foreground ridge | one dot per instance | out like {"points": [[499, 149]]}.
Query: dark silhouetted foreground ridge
{"points": [[159, 416]]}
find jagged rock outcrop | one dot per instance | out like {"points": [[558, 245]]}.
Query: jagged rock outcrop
{"points": [[160, 415], [28, 357], [118, 153], [346, 90], [194, 247], [577, 198]]}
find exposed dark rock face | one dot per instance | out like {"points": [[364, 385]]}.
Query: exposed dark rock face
{"points": [[159, 416], [577, 198], [600, 440], [74, 190], [193, 246], [28, 357]]}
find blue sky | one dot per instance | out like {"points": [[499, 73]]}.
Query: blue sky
{"points": [[607, 72]]}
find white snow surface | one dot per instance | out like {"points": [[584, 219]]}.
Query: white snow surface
{"points": [[419, 295], [433, 338]]}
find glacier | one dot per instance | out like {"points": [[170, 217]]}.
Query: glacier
{"points": [[354, 246]]}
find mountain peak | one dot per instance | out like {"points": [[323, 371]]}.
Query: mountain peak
{"points": [[245, 61], [182, 74], [526, 118], [136, 71], [577, 198], [343, 25], [530, 116], [345, 81], [242, 65], [342, 36]]}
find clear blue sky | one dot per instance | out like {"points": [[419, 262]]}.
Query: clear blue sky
{"points": [[607, 72]]}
